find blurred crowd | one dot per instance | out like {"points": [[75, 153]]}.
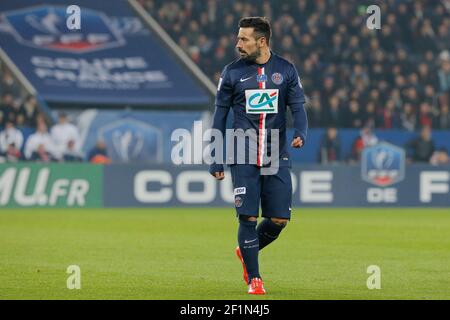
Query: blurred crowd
{"points": [[20, 114], [59, 143], [15, 105], [395, 77], [419, 149]]}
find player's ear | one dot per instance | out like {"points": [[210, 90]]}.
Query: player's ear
{"points": [[261, 41], [265, 41]]}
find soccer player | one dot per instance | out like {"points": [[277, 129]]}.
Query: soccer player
{"points": [[258, 87]]}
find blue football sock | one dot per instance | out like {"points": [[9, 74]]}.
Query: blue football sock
{"points": [[249, 245], [268, 231]]}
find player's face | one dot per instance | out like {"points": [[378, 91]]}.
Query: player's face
{"points": [[247, 45]]}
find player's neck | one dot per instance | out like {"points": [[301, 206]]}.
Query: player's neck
{"points": [[265, 56]]}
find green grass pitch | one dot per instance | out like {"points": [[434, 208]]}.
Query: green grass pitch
{"points": [[189, 254]]}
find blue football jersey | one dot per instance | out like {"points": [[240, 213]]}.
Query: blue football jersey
{"points": [[259, 96]]}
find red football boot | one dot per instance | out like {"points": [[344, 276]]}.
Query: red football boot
{"points": [[239, 255], [256, 286]]}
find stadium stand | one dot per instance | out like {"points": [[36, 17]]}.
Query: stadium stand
{"points": [[19, 114], [394, 78]]}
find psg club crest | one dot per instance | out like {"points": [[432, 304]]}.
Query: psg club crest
{"points": [[238, 202], [44, 27], [277, 78], [383, 165]]}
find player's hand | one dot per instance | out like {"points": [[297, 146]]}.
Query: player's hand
{"points": [[297, 142], [219, 175]]}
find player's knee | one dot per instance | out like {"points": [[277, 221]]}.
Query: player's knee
{"points": [[247, 218], [280, 222]]}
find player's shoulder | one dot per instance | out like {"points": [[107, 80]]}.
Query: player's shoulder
{"points": [[232, 71], [283, 62], [234, 65]]}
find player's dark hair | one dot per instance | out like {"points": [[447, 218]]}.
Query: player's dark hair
{"points": [[260, 25]]}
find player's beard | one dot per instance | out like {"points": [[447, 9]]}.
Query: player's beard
{"points": [[252, 56]]}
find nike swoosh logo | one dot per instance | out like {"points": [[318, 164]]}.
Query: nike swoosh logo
{"points": [[245, 241], [242, 80]]}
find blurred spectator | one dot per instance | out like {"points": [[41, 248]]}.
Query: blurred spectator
{"points": [[353, 118], [12, 154], [369, 115], [335, 115], [10, 136], [30, 109], [408, 118], [62, 133], [71, 153], [6, 109], [440, 157], [442, 119], [9, 84], [99, 154], [366, 139], [388, 117], [42, 154], [15, 112], [40, 143], [444, 72], [314, 110], [425, 76], [425, 115], [330, 147], [421, 148]]}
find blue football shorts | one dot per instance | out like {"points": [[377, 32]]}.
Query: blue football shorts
{"points": [[273, 192]]}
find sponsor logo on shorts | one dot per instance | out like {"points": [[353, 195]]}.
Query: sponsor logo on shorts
{"points": [[241, 190]]}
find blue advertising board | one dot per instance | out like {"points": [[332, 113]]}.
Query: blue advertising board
{"points": [[136, 136], [313, 186], [125, 185], [112, 59]]}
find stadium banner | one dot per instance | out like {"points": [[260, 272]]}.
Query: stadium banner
{"points": [[110, 57], [137, 136], [131, 185], [54, 185], [381, 182]]}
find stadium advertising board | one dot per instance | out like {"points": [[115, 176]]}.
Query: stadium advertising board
{"points": [[36, 185], [136, 136], [313, 186], [112, 59], [125, 185]]}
